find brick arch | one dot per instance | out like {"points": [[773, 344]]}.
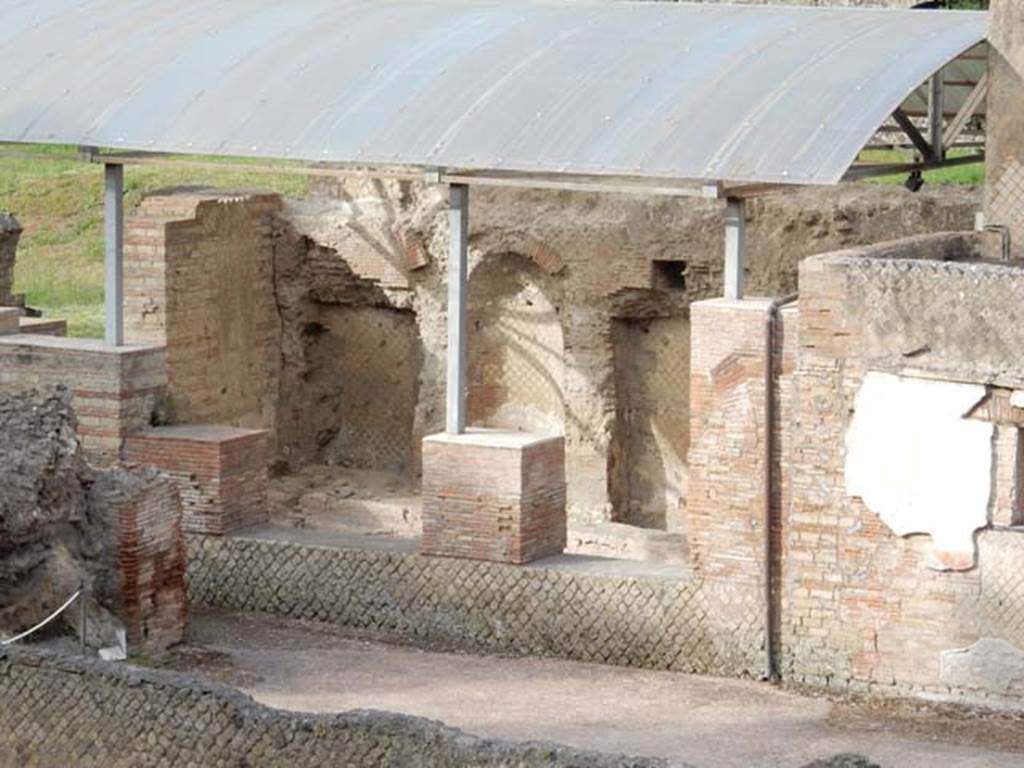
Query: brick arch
{"points": [[516, 346], [543, 255]]}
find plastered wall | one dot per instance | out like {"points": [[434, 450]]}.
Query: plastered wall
{"points": [[874, 595]]}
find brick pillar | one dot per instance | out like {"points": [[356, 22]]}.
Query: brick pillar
{"points": [[1004, 189], [199, 279], [725, 525], [150, 596], [493, 495], [725, 512]]}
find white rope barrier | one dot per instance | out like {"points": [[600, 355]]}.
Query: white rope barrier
{"points": [[44, 622]]}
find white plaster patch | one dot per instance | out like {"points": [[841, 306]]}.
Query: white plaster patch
{"points": [[1017, 398], [990, 665], [919, 464]]}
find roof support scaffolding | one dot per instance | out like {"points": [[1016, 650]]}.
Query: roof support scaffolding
{"points": [[458, 261], [113, 258], [967, 111], [735, 247], [936, 108]]}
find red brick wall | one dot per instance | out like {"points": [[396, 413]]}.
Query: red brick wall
{"points": [[199, 278], [491, 500], [113, 389], [152, 563], [221, 472], [860, 606]]}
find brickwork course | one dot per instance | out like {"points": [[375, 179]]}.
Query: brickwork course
{"points": [[494, 496], [198, 277], [114, 390], [220, 472]]}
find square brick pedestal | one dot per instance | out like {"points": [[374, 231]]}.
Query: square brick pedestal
{"points": [[493, 495], [221, 472]]}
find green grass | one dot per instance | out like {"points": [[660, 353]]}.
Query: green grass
{"points": [[958, 174], [59, 202]]}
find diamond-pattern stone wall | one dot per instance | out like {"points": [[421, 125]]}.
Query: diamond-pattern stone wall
{"points": [[644, 621], [60, 712]]}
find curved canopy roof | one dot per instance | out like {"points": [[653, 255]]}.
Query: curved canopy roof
{"points": [[653, 90]]}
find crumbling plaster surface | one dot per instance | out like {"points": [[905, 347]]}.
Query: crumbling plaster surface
{"points": [[990, 664], [920, 464], [595, 254]]}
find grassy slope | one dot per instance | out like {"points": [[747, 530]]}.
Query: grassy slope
{"points": [[59, 203]]}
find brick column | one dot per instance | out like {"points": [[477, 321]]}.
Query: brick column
{"points": [[725, 512], [725, 525], [493, 495]]}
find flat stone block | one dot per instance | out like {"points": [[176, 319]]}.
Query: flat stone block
{"points": [[494, 495], [9, 317]]}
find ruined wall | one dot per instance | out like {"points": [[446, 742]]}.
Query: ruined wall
{"points": [[114, 390], [603, 273], [516, 347], [876, 593], [63, 525], [191, 722], [10, 233], [1004, 190], [199, 280]]}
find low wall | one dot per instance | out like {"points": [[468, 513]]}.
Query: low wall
{"points": [[556, 610], [114, 389], [58, 712]]}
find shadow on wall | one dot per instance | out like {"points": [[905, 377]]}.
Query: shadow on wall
{"points": [[516, 348], [648, 479], [354, 354]]}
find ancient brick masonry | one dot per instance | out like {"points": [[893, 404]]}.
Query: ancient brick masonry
{"points": [[150, 550], [860, 605], [221, 472], [493, 495], [198, 279], [113, 389]]}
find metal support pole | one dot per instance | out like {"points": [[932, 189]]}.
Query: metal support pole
{"points": [[113, 261], [936, 107], [81, 618], [458, 224], [735, 247]]}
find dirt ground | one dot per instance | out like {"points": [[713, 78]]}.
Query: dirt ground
{"points": [[708, 722]]}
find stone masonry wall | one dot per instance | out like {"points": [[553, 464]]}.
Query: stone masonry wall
{"points": [[592, 262], [644, 619], [1004, 189], [861, 605], [60, 712], [114, 389], [199, 279]]}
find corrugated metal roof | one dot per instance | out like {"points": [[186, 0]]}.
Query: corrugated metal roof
{"points": [[715, 92]]}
